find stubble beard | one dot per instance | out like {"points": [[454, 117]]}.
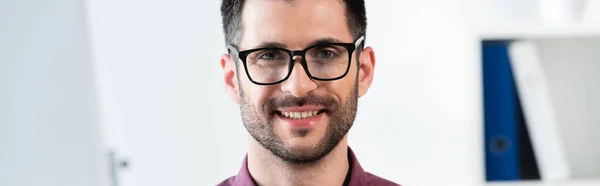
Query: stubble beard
{"points": [[259, 123]]}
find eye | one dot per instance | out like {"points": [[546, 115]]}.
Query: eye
{"points": [[326, 54], [269, 55]]}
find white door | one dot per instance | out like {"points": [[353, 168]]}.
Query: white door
{"points": [[48, 113], [162, 99]]}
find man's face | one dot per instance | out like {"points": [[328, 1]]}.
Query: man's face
{"points": [[329, 107]]}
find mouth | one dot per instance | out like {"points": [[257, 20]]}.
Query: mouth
{"points": [[300, 115]]}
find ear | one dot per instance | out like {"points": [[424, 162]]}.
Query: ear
{"points": [[230, 78], [365, 71]]}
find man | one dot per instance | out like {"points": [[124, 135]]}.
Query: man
{"points": [[297, 68]]}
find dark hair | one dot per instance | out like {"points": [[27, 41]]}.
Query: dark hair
{"points": [[231, 14]]}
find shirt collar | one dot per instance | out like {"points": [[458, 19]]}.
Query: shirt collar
{"points": [[357, 174]]}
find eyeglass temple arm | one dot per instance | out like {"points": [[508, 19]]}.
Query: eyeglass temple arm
{"points": [[232, 50], [359, 41]]}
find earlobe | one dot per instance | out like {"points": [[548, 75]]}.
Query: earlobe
{"points": [[229, 77], [366, 69]]}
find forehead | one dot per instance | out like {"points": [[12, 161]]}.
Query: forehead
{"points": [[294, 24]]}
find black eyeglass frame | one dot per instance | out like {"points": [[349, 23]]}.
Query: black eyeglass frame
{"points": [[351, 47]]}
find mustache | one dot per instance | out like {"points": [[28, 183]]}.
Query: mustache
{"points": [[329, 103]]}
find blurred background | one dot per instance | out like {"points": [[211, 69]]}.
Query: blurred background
{"points": [[129, 93]]}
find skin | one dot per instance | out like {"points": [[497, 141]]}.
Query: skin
{"points": [[295, 24]]}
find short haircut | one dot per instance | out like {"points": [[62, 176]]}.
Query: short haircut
{"points": [[231, 14]]}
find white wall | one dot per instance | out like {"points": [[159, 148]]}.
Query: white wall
{"points": [[48, 122], [163, 101], [419, 120]]}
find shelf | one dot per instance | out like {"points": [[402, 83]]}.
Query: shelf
{"points": [[562, 68], [538, 31], [578, 182]]}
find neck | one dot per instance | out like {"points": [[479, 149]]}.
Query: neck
{"points": [[268, 169]]}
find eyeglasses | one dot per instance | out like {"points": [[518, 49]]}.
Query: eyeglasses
{"points": [[323, 62]]}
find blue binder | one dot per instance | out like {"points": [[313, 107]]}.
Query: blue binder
{"points": [[500, 113]]}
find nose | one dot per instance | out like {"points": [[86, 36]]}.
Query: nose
{"points": [[299, 84]]}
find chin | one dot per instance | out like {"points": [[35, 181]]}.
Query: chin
{"points": [[303, 139], [302, 143]]}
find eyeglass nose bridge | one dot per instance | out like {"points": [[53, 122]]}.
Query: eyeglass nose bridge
{"points": [[295, 53], [301, 54]]}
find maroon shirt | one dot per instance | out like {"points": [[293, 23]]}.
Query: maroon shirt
{"points": [[356, 176]]}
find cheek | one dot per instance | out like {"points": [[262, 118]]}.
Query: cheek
{"points": [[342, 88], [354, 66], [256, 94]]}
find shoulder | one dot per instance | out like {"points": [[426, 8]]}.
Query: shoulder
{"points": [[376, 180], [229, 181]]}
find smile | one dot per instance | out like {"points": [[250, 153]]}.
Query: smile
{"points": [[300, 115]]}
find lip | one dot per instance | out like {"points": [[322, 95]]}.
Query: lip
{"points": [[302, 123], [301, 109]]}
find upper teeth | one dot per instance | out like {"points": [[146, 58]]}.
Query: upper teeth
{"points": [[300, 115]]}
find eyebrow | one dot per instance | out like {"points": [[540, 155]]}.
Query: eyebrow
{"points": [[326, 40]]}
